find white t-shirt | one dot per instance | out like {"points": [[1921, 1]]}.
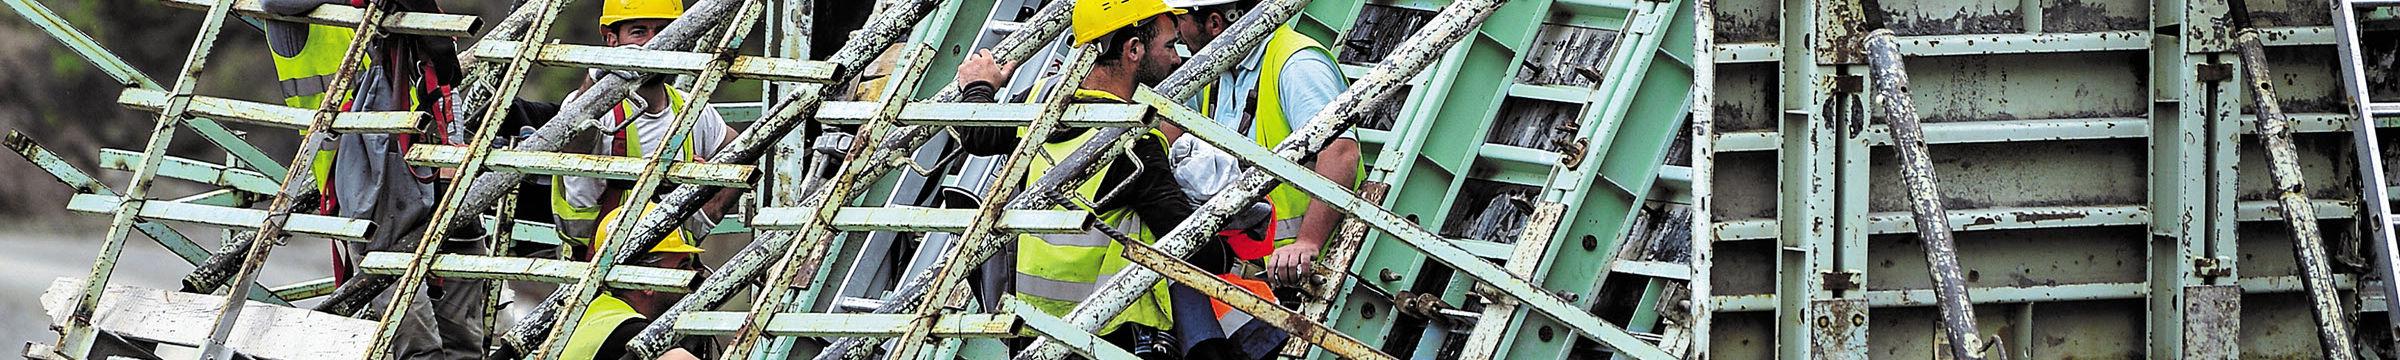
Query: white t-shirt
{"points": [[653, 129]]}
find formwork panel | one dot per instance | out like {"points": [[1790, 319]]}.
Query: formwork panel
{"points": [[2305, 81], [2266, 247], [1908, 333], [2029, 86], [1999, 175], [1946, 17], [2015, 258], [2105, 329], [1745, 98], [1745, 186], [1744, 268], [1743, 336], [1746, 21], [2077, 16], [2325, 162], [2275, 326]]}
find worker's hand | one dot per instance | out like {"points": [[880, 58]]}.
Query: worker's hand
{"points": [[985, 66], [677, 354], [1290, 266]]}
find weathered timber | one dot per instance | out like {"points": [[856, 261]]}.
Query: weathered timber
{"points": [[1941, 251], [2283, 165], [268, 332]]}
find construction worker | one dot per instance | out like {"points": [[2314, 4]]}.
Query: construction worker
{"points": [[1137, 42], [363, 175], [1268, 95], [614, 318], [639, 126]]}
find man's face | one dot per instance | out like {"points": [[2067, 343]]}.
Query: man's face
{"points": [[1158, 55], [653, 303], [636, 32]]}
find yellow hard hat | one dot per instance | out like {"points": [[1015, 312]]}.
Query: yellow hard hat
{"points": [[1096, 18], [674, 242], [612, 11]]}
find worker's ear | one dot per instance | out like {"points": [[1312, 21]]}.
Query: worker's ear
{"points": [[608, 34], [1131, 47], [1216, 23]]}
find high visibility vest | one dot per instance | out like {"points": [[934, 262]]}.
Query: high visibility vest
{"points": [[1270, 125], [1057, 271], [599, 320], [303, 78], [578, 223]]}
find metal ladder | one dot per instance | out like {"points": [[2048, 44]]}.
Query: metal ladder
{"points": [[2364, 110]]}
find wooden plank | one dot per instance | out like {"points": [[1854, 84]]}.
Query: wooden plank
{"points": [[264, 331]]}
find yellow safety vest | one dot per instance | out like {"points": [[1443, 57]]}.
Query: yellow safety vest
{"points": [[578, 223], [1271, 125], [599, 320], [1057, 271], [303, 78]]}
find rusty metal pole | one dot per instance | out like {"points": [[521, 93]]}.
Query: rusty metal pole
{"points": [[1916, 168], [2283, 164]]}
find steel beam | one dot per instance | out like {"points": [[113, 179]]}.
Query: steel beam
{"points": [[414, 23], [553, 271], [987, 114], [159, 210], [709, 323], [599, 166], [275, 115], [658, 61], [910, 219]]}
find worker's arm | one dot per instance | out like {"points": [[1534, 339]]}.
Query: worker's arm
{"points": [[1149, 187], [980, 78], [1309, 82]]}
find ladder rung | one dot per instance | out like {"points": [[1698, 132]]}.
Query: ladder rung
{"points": [[859, 325], [529, 269], [915, 219], [2384, 109], [607, 167], [660, 61], [276, 115], [169, 211]]}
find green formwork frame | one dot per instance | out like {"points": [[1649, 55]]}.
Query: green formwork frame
{"points": [[2193, 131], [1438, 140]]}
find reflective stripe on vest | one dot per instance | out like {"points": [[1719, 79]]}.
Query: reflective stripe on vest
{"points": [[578, 223], [1056, 272], [600, 320]]}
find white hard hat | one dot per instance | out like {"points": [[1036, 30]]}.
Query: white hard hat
{"points": [[1188, 4]]}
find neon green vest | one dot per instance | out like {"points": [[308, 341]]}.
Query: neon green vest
{"points": [[1056, 272], [1271, 125], [599, 320], [578, 223], [303, 77]]}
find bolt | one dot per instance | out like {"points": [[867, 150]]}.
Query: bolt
{"points": [[1389, 276], [1591, 243], [1366, 311], [1546, 333]]}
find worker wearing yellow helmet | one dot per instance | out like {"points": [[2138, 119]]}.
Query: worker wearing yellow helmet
{"points": [[1135, 41], [618, 315], [641, 125]]}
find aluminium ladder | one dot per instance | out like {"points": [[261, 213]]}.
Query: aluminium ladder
{"points": [[2364, 110]]}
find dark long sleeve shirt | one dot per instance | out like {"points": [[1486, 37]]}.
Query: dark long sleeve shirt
{"points": [[1151, 192]]}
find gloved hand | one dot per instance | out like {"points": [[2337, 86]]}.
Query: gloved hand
{"points": [[1202, 171]]}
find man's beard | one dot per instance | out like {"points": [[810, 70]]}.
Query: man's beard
{"points": [[1152, 73]]}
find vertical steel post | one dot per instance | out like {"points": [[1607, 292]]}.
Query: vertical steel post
{"points": [[1916, 168]]}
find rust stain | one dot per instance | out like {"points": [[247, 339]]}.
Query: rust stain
{"points": [[2035, 217]]}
